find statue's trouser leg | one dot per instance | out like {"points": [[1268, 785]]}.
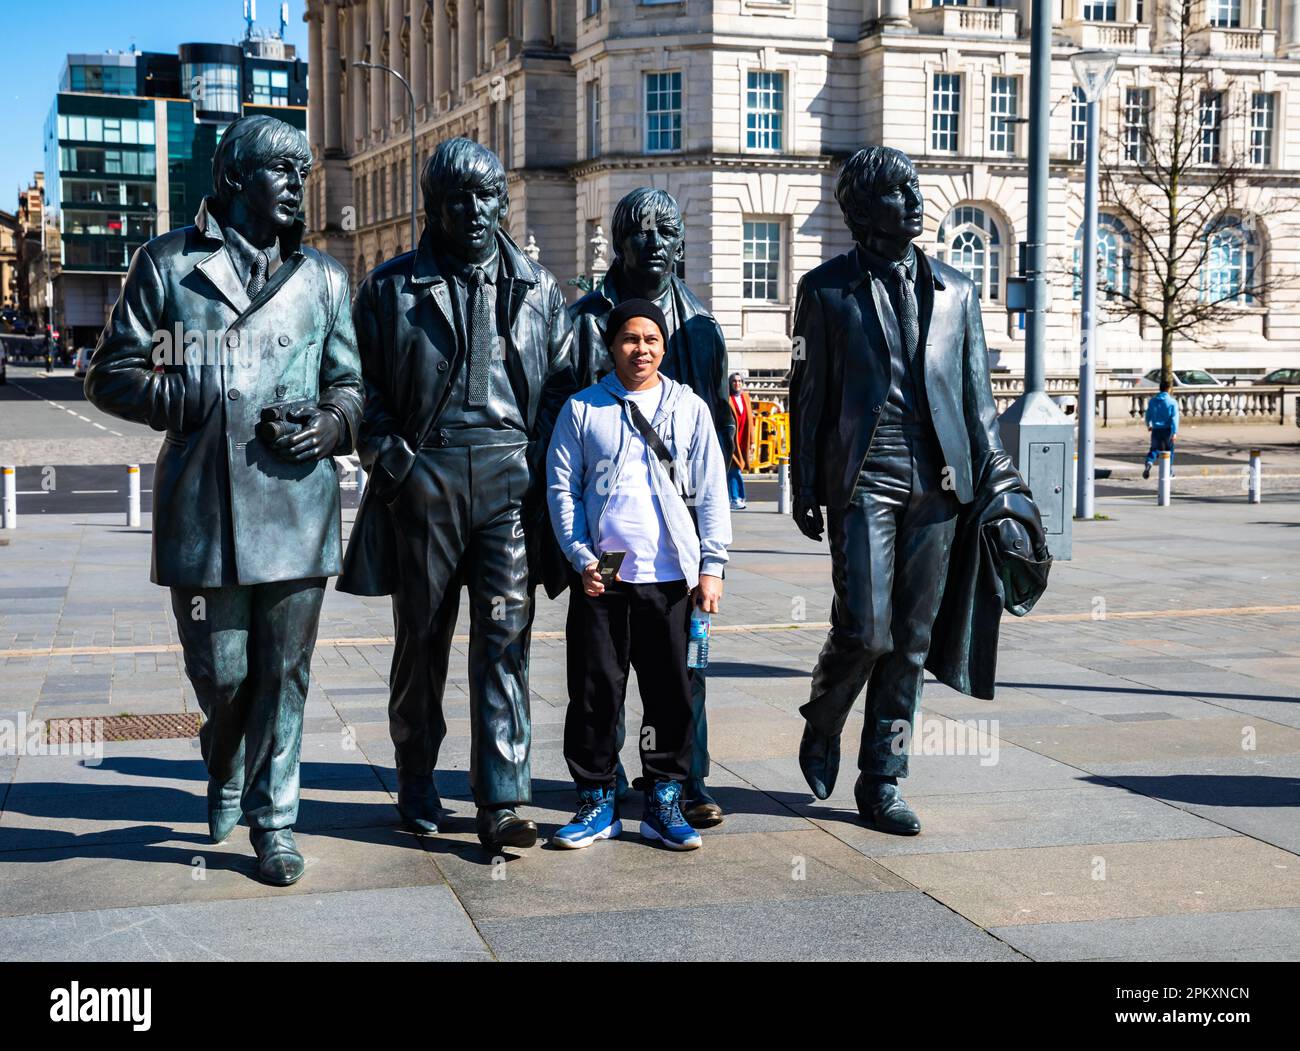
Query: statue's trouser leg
{"points": [[641, 626], [922, 545], [212, 624], [431, 517], [496, 573], [249, 659]]}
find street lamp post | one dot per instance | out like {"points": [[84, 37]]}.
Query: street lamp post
{"points": [[415, 160], [1092, 69]]}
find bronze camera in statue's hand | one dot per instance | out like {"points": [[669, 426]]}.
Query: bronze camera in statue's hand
{"points": [[283, 419]]}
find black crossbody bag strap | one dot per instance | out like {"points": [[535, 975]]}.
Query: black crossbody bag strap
{"points": [[661, 452]]}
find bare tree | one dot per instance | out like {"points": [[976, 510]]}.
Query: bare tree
{"points": [[1179, 184]]}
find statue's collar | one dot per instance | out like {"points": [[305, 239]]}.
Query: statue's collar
{"points": [[210, 227]]}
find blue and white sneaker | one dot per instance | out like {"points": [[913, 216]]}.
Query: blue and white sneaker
{"points": [[663, 819], [597, 818]]}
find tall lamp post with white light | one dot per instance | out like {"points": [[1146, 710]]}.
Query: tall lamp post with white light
{"points": [[1092, 69]]}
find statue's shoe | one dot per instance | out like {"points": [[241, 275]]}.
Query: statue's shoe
{"points": [[699, 807], [421, 809], [278, 861], [502, 827], [819, 759], [223, 808], [882, 807]]}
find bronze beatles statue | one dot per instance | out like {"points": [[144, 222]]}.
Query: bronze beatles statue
{"points": [[465, 347], [894, 431], [246, 513]]}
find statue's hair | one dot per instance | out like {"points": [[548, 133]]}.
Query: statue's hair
{"points": [[251, 143], [461, 164], [632, 210], [867, 175]]}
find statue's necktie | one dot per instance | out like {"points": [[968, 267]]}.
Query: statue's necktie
{"points": [[480, 340], [909, 325], [257, 280]]}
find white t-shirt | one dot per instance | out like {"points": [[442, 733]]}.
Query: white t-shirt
{"points": [[633, 520]]}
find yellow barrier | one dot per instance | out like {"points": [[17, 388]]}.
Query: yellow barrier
{"points": [[770, 437]]}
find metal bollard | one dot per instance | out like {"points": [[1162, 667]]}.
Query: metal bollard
{"points": [[133, 494], [1255, 492], [783, 489], [11, 497], [1164, 489]]}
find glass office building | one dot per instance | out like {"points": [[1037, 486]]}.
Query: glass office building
{"points": [[129, 143]]}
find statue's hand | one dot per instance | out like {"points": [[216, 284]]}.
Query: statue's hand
{"points": [[317, 440], [808, 515]]}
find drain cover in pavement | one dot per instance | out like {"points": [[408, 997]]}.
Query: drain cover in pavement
{"points": [[126, 727]]}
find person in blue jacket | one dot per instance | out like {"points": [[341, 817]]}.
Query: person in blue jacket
{"points": [[1162, 422]]}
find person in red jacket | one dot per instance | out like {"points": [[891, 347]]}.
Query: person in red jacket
{"points": [[743, 410]]}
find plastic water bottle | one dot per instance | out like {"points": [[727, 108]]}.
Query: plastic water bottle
{"points": [[697, 642]]}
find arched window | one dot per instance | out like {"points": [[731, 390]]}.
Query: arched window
{"points": [[1114, 257], [969, 241], [1228, 274]]}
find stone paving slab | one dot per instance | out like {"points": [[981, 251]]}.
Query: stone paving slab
{"points": [[902, 926], [1263, 934], [994, 888], [172, 868], [369, 925]]}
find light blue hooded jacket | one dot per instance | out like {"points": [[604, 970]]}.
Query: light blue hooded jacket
{"points": [[587, 456]]}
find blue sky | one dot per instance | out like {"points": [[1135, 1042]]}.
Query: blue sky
{"points": [[49, 30]]}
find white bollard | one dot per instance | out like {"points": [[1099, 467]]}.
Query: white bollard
{"points": [[133, 494], [1165, 487], [1255, 493], [11, 497], [783, 489]]}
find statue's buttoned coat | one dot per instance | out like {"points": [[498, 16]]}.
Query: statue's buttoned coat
{"points": [[185, 351]]}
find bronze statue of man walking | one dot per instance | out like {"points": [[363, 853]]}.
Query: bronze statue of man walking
{"points": [[246, 519], [894, 431]]}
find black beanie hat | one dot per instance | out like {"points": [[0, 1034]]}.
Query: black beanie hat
{"points": [[629, 309]]}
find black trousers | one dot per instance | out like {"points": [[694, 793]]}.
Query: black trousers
{"points": [[458, 520], [889, 562], [248, 655], [643, 626]]}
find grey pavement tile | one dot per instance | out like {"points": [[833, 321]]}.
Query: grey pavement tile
{"points": [[864, 927], [345, 925], [1010, 820], [179, 868], [757, 866], [1098, 881], [1262, 934]]}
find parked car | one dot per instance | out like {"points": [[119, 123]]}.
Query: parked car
{"points": [[1279, 378], [1182, 378], [82, 362]]}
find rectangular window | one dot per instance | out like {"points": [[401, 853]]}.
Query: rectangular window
{"points": [[1004, 98], [1078, 124], [663, 112], [1225, 14], [762, 261], [593, 8], [593, 118], [1137, 114], [1099, 10], [945, 115], [1263, 108], [1211, 125], [764, 109]]}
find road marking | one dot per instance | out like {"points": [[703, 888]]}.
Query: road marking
{"points": [[93, 492], [70, 412], [813, 625]]}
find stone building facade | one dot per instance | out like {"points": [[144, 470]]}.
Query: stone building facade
{"points": [[744, 110]]}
